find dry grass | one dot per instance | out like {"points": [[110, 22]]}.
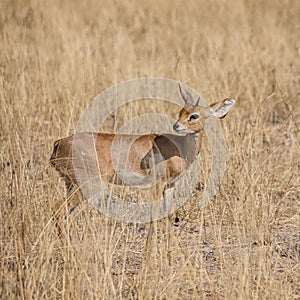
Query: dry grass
{"points": [[56, 56]]}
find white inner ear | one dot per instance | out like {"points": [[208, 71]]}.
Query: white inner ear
{"points": [[222, 110]]}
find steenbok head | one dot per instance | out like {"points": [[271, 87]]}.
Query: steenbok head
{"points": [[192, 116]]}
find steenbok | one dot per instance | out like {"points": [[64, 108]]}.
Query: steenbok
{"points": [[150, 160]]}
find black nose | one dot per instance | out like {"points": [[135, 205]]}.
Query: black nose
{"points": [[175, 126]]}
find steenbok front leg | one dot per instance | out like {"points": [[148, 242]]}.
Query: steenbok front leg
{"points": [[166, 171]]}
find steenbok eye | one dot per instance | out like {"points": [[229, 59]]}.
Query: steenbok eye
{"points": [[194, 117]]}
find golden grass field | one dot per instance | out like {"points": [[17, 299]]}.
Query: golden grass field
{"points": [[56, 56]]}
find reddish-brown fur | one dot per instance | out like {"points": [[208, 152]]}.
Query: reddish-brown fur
{"points": [[163, 157]]}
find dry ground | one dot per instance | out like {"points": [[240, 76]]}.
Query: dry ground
{"points": [[55, 56]]}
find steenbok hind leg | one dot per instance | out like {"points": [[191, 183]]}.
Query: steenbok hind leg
{"points": [[64, 207]]}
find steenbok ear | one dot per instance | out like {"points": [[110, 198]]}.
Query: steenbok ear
{"points": [[186, 96], [221, 109]]}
